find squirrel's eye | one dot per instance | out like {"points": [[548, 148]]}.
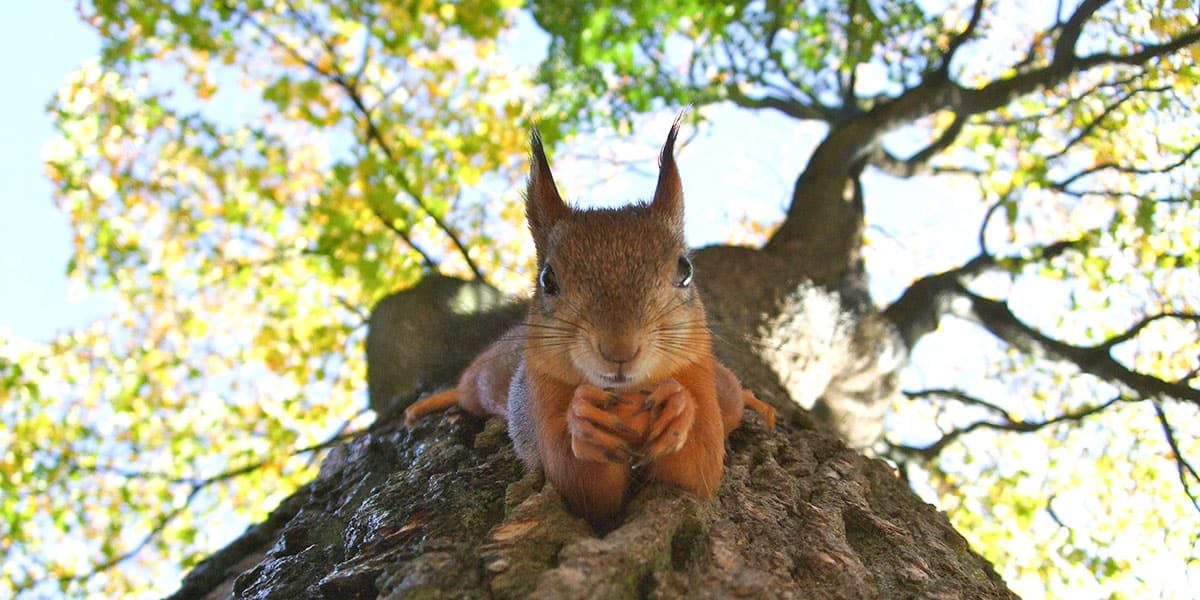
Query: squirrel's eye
{"points": [[549, 281], [683, 274]]}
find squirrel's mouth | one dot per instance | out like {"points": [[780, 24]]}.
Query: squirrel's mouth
{"points": [[606, 374], [618, 377], [609, 375]]}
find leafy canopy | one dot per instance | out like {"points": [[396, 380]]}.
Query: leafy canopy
{"points": [[248, 178]]}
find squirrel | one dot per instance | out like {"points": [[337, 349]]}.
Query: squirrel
{"points": [[612, 371]]}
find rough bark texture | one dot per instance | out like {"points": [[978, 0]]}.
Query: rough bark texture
{"points": [[445, 510]]}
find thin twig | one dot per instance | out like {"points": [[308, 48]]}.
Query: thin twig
{"points": [[1182, 466]]}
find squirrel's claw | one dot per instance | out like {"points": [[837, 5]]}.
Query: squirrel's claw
{"points": [[595, 405], [598, 446], [597, 435], [676, 411]]}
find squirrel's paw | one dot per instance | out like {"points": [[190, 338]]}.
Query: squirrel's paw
{"points": [[598, 434], [674, 412], [762, 408]]}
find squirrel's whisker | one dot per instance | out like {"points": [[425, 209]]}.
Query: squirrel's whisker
{"points": [[530, 376]]}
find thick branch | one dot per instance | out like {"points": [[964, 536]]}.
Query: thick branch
{"points": [[1073, 28], [1066, 102], [938, 92], [918, 163], [999, 93], [829, 172], [920, 309]]}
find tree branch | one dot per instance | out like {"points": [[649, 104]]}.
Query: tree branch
{"points": [[921, 307], [962, 38], [829, 171], [918, 311], [929, 452], [1097, 120], [787, 106], [1137, 328], [1183, 467], [1062, 184], [1071, 30], [963, 397], [806, 108], [1119, 194], [849, 81], [917, 164], [373, 135], [1063, 66], [1096, 360], [1066, 103], [196, 486], [939, 92]]}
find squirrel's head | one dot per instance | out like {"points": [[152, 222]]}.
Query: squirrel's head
{"points": [[614, 304]]}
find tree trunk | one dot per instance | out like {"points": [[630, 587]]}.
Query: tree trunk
{"points": [[444, 510]]}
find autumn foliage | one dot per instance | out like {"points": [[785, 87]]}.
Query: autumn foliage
{"points": [[247, 179]]}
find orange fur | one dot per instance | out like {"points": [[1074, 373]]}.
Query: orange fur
{"points": [[766, 410], [613, 368], [697, 465], [429, 404], [593, 489]]}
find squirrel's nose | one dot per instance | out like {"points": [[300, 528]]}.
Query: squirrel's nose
{"points": [[619, 353]]}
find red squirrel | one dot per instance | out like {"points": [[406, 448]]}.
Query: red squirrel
{"points": [[613, 369]]}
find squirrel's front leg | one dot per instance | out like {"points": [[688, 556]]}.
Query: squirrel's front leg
{"points": [[586, 456], [685, 446]]}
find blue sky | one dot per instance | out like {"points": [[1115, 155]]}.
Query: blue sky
{"points": [[35, 240], [738, 179]]}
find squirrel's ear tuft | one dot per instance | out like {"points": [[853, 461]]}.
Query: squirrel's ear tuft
{"points": [[543, 206], [668, 196]]}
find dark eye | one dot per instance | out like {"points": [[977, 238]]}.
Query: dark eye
{"points": [[683, 272], [549, 281]]}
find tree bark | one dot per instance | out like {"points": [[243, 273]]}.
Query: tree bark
{"points": [[445, 510]]}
